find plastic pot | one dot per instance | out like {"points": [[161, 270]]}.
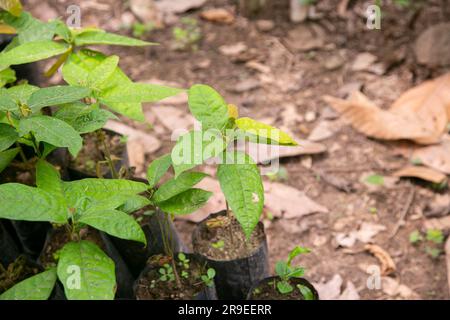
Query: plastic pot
{"points": [[135, 254], [9, 249], [124, 277], [207, 293], [76, 174], [235, 277], [31, 236], [294, 281]]}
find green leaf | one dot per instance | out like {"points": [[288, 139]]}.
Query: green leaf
{"points": [[208, 107], [28, 28], [435, 235], [100, 189], [12, 6], [52, 96], [138, 92], [63, 30], [176, 186], [284, 287], [102, 72], [86, 272], [375, 179], [8, 136], [7, 104], [21, 202], [37, 287], [296, 273], [185, 202], [268, 133], [115, 223], [6, 157], [84, 118], [296, 252], [157, 169], [101, 37], [7, 76], [306, 292], [32, 51], [21, 93], [243, 189], [281, 269], [49, 179], [134, 203], [195, 147], [53, 131]]}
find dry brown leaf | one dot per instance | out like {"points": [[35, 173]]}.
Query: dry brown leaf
{"points": [[387, 264], [423, 173], [420, 114], [442, 224], [218, 15], [436, 156]]}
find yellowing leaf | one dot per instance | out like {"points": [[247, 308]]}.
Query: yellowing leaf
{"points": [[265, 131], [233, 111], [5, 29], [12, 6]]}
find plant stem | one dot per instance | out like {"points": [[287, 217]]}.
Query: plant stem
{"points": [[230, 219], [167, 243], [101, 136]]}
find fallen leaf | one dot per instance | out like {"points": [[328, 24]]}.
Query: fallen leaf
{"points": [[287, 202], [442, 224], [146, 11], [173, 118], [323, 131], [363, 61], [332, 289], [420, 172], [420, 114], [436, 156], [218, 15], [393, 288], [350, 292], [179, 6], [438, 207], [387, 264], [365, 234], [233, 49]]}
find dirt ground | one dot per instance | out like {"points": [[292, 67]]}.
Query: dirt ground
{"points": [[288, 79]]}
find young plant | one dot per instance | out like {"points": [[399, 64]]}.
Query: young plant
{"points": [[85, 271], [286, 271], [187, 36], [238, 175]]}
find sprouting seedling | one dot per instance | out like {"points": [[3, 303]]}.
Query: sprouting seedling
{"points": [[237, 173], [208, 278], [218, 245], [73, 205], [286, 271], [166, 273]]}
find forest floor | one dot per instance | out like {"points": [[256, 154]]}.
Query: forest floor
{"points": [[275, 72]]}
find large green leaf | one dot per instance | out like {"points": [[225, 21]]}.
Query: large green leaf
{"points": [[7, 156], [53, 131], [195, 147], [12, 6], [157, 169], [243, 189], [52, 96], [86, 272], [100, 189], [49, 179], [37, 287], [138, 92], [268, 134], [21, 93], [7, 104], [21, 202], [30, 29], [185, 202], [101, 37], [134, 203], [8, 135], [208, 107], [102, 72], [7, 76], [171, 188], [115, 223], [32, 51], [84, 118]]}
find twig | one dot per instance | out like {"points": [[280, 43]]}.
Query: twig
{"points": [[403, 214]]}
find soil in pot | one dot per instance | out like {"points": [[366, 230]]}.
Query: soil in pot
{"points": [[136, 254], [267, 290], [57, 238], [20, 269], [91, 163], [239, 262], [157, 283]]}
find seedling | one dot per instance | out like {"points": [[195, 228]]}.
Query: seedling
{"points": [[141, 29], [218, 245], [208, 278], [166, 273], [91, 202], [188, 35], [286, 271], [415, 237]]}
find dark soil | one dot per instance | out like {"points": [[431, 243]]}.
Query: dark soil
{"points": [[267, 290], [92, 155], [14, 273], [168, 290], [59, 237], [235, 244]]}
